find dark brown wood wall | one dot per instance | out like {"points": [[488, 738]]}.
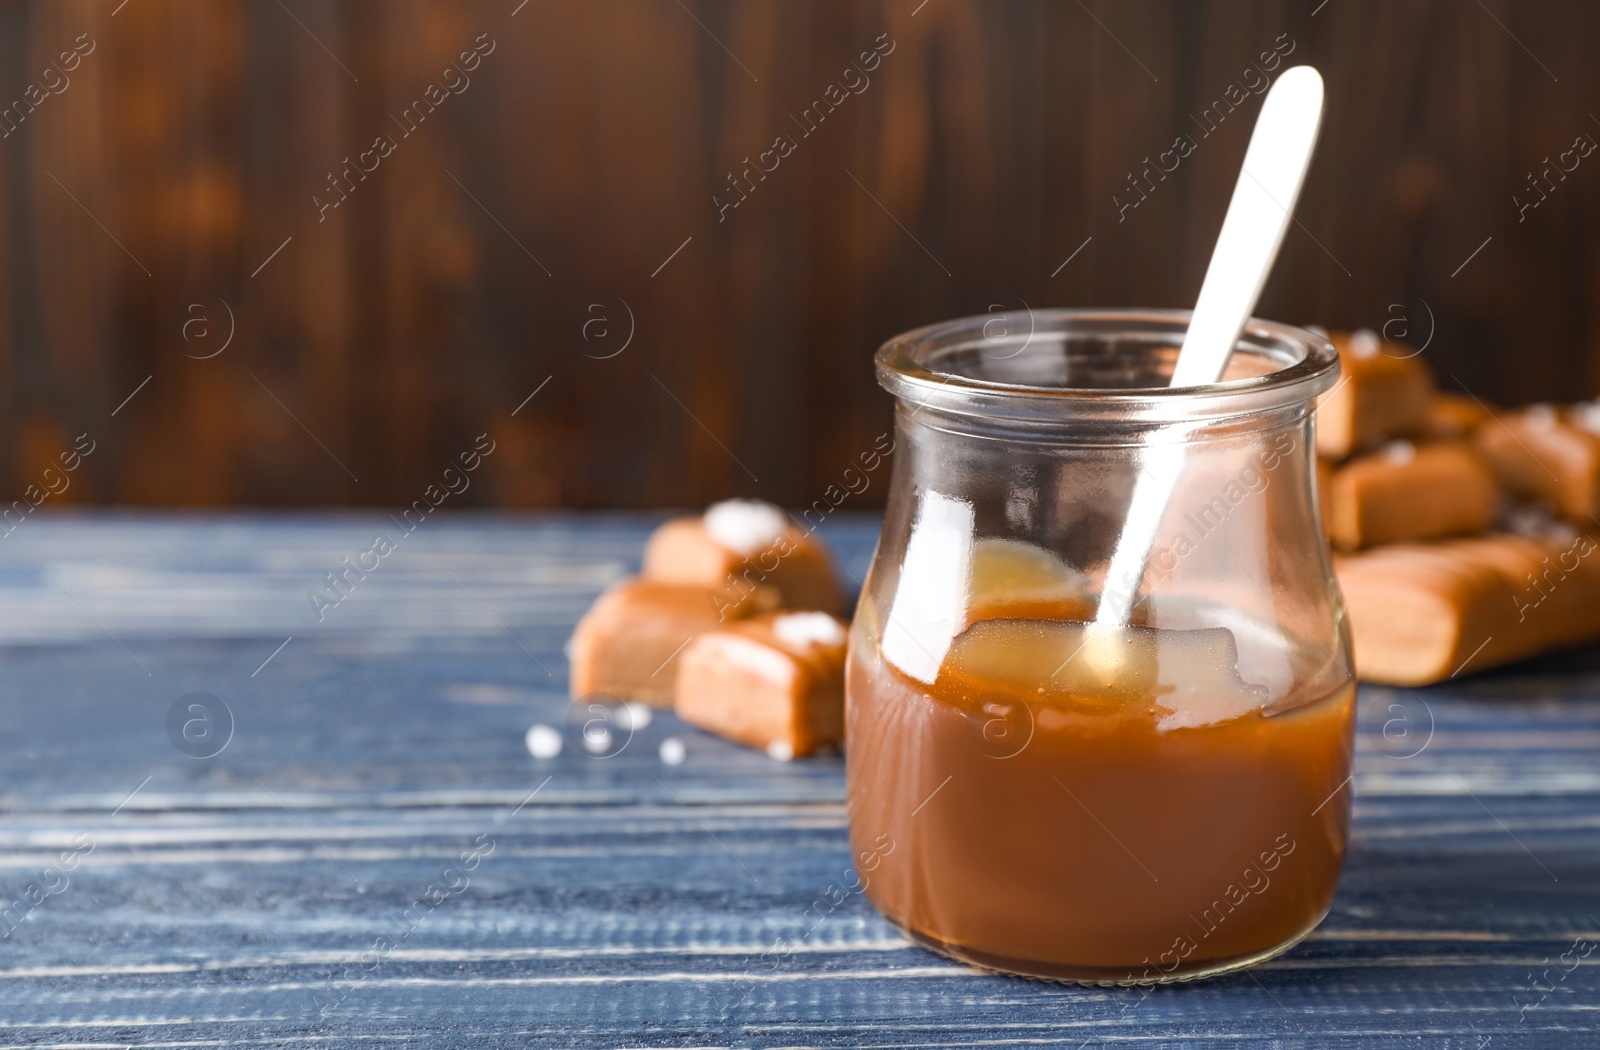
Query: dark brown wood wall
{"points": [[506, 241]]}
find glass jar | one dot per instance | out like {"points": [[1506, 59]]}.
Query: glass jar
{"points": [[1149, 803]]}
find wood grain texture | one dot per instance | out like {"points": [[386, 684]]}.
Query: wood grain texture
{"points": [[550, 183], [227, 901]]}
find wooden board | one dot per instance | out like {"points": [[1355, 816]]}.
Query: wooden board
{"points": [[627, 902]]}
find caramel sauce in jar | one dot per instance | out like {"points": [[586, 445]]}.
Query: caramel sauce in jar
{"points": [[1094, 822]]}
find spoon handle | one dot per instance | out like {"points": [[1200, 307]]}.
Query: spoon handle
{"points": [[1258, 216]]}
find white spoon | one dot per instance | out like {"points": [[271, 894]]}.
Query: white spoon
{"points": [[1258, 216]]}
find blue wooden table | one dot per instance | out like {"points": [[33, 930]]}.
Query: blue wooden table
{"points": [[374, 856]]}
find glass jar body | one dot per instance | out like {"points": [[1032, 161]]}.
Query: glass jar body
{"points": [[1158, 802]]}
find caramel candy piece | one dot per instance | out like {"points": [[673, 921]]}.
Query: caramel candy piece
{"points": [[1420, 613], [1454, 416], [740, 545], [628, 645], [1012, 579], [1385, 391], [774, 682], [1409, 492], [1543, 454]]}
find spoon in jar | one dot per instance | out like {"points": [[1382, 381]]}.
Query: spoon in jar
{"points": [[1258, 216]]}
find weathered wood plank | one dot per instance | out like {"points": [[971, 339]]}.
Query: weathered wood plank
{"points": [[628, 902]]}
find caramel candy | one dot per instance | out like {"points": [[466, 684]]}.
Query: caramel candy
{"points": [[628, 645], [1409, 492], [774, 682], [740, 545], [1011, 579], [1454, 416], [1420, 613], [1547, 455], [1384, 392]]}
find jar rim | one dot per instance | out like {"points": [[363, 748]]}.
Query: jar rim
{"points": [[1307, 364]]}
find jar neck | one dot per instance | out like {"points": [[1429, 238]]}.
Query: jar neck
{"points": [[1060, 370], [1100, 430]]}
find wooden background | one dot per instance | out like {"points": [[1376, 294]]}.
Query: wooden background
{"points": [[585, 149]]}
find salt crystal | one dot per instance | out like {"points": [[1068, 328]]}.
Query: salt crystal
{"points": [[1400, 452], [1538, 523], [1528, 521], [543, 742], [635, 715], [806, 629], [745, 526], [1586, 415], [673, 752], [780, 751], [1541, 416], [1364, 342]]}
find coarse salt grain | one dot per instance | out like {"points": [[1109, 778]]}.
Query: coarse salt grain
{"points": [[745, 526], [673, 752], [806, 629], [1538, 523], [1399, 452], [543, 741], [1541, 416], [1586, 415], [1364, 342], [780, 751], [1528, 521]]}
